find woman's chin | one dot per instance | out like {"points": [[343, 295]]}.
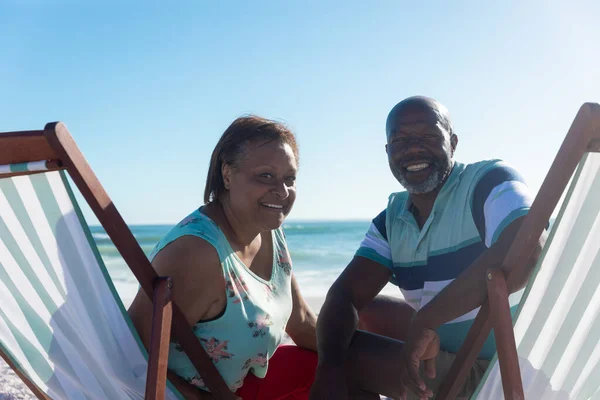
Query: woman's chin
{"points": [[278, 224], [274, 222], [273, 216]]}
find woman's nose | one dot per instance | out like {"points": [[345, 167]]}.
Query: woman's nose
{"points": [[282, 191]]}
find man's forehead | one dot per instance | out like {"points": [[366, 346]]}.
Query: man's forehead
{"points": [[430, 118], [413, 121]]}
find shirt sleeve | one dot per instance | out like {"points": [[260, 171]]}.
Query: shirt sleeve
{"points": [[500, 197], [375, 245]]}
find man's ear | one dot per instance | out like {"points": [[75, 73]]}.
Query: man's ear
{"points": [[453, 142], [386, 150]]}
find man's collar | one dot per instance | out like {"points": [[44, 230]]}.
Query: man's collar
{"points": [[447, 187]]}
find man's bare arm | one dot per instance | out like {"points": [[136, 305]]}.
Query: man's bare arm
{"points": [[469, 290], [360, 282]]}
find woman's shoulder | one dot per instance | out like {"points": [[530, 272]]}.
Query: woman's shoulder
{"points": [[197, 230], [195, 269], [198, 221], [189, 250], [283, 259], [279, 236]]}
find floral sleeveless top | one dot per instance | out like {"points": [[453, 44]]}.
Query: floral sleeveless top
{"points": [[247, 333]]}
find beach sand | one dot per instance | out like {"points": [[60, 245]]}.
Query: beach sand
{"points": [[12, 388], [315, 303]]}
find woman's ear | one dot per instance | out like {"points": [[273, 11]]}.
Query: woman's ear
{"points": [[226, 173]]}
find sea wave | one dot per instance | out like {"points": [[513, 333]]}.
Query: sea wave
{"points": [[104, 239], [100, 236], [319, 251], [313, 283], [319, 259], [108, 250]]}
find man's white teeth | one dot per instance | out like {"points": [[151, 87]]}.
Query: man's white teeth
{"points": [[417, 167], [273, 206]]}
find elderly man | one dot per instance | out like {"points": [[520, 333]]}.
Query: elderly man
{"points": [[435, 241]]}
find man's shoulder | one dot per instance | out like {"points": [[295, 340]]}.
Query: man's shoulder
{"points": [[481, 167], [492, 169]]}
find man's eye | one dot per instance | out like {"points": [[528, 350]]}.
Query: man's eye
{"points": [[266, 175], [291, 179]]}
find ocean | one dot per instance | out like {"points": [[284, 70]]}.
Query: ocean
{"points": [[319, 251]]}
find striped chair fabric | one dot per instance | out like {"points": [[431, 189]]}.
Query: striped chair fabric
{"points": [[557, 328], [61, 321]]}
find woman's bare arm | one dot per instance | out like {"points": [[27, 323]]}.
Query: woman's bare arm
{"points": [[198, 290], [302, 325]]}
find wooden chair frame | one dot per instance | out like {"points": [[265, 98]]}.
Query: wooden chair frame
{"points": [[56, 145], [582, 137]]}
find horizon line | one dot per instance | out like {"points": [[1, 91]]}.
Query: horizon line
{"points": [[293, 221]]}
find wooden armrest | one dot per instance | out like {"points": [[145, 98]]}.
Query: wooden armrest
{"points": [[162, 314], [505, 337]]}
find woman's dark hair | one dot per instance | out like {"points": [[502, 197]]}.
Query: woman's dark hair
{"points": [[232, 145]]}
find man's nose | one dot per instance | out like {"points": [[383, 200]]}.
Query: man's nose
{"points": [[413, 144], [408, 150]]}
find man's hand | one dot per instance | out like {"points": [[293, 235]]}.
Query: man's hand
{"points": [[423, 344], [431, 352], [330, 383]]}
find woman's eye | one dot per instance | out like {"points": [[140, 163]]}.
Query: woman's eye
{"points": [[291, 179], [266, 175]]}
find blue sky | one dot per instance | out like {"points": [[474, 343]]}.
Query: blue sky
{"points": [[146, 89]]}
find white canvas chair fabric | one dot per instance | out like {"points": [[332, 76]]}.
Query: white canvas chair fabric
{"points": [[61, 321], [557, 327]]}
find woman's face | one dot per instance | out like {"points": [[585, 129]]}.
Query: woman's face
{"points": [[262, 187]]}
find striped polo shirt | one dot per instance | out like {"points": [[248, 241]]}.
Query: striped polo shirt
{"points": [[470, 212]]}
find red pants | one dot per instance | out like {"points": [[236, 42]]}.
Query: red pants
{"points": [[290, 375]]}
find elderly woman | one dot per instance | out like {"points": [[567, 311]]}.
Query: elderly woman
{"points": [[233, 273]]}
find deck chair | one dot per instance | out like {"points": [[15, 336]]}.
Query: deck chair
{"points": [[553, 352], [63, 327]]}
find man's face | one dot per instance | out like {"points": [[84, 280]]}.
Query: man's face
{"points": [[419, 150]]}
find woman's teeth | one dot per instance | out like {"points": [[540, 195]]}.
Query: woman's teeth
{"points": [[273, 206]]}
